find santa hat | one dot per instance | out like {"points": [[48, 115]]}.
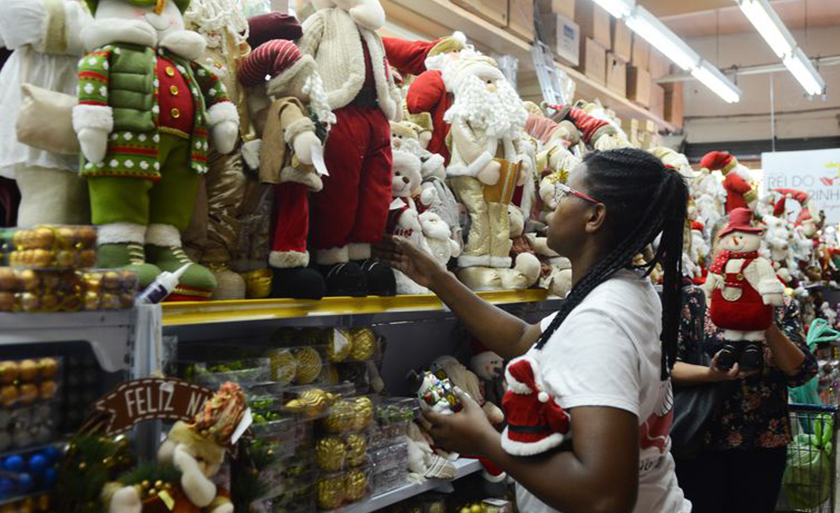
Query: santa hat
{"points": [[800, 196], [409, 57], [719, 161], [536, 423], [456, 72], [740, 221], [273, 25], [278, 59]]}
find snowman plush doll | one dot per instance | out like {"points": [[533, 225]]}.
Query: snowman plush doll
{"points": [[742, 290], [147, 113]]}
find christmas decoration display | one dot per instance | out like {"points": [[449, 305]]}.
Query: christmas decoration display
{"points": [[39, 80], [742, 290], [143, 154], [740, 186]]}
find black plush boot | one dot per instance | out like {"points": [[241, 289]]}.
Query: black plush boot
{"points": [[298, 283], [728, 356], [380, 278], [346, 279], [751, 358]]}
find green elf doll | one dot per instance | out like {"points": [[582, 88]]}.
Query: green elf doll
{"points": [[146, 113]]}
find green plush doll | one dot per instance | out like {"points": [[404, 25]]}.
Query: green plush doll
{"points": [[146, 113]]}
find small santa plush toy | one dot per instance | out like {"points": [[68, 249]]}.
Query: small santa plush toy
{"points": [[739, 185], [742, 289], [536, 423]]}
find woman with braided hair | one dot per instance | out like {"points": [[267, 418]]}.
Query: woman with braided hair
{"points": [[604, 357]]}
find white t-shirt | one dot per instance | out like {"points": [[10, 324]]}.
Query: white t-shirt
{"points": [[608, 353]]}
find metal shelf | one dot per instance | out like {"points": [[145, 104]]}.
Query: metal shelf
{"points": [[464, 467], [215, 312], [110, 334]]}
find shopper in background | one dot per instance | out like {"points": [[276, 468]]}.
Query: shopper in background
{"points": [[598, 355], [742, 453]]}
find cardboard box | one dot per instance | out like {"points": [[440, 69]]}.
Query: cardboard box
{"points": [[563, 38], [660, 65], [657, 100], [563, 7], [650, 125], [674, 103], [622, 41], [594, 22], [638, 85], [641, 53], [631, 128], [616, 74], [494, 11], [521, 18], [593, 62]]}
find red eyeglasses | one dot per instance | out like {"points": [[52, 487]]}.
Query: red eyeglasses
{"points": [[562, 190]]}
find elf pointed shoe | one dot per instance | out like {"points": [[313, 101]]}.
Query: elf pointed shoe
{"points": [[196, 284], [345, 279], [298, 283], [380, 278], [129, 257]]}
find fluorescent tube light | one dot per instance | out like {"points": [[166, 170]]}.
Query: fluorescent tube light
{"points": [[618, 8], [769, 25], [804, 72], [717, 82], [660, 37]]}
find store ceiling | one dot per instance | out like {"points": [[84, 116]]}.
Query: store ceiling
{"points": [[701, 18]]}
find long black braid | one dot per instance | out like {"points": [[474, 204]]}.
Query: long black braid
{"points": [[643, 199]]}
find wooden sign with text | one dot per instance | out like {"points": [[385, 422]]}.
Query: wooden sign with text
{"points": [[151, 399]]}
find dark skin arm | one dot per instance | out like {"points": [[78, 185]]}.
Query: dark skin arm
{"points": [[501, 332], [600, 474]]}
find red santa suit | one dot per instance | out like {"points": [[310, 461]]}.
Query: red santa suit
{"points": [[353, 206]]}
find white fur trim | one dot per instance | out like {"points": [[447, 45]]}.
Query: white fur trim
{"points": [[251, 153], [114, 30], [93, 116], [120, 233], [368, 14], [358, 251], [280, 85], [474, 261], [493, 479], [288, 259], [543, 397], [307, 177], [386, 91], [529, 449], [501, 262], [472, 169], [770, 286], [455, 72], [185, 43], [163, 235], [224, 111], [332, 256], [298, 127]]}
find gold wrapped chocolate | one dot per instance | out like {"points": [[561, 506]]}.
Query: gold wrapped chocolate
{"points": [[311, 403], [340, 418], [330, 453], [283, 366], [331, 491], [339, 344], [364, 345], [363, 408], [258, 283], [356, 449], [355, 485], [308, 365]]}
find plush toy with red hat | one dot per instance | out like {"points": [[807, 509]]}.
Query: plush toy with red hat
{"points": [[741, 191], [742, 289], [536, 423]]}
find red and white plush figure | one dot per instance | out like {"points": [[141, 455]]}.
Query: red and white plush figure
{"points": [[351, 212], [535, 422], [489, 367], [740, 187], [742, 289], [597, 131]]}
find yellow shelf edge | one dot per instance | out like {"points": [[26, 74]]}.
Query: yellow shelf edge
{"points": [[192, 313]]}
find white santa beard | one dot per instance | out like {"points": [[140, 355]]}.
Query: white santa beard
{"points": [[500, 114]]}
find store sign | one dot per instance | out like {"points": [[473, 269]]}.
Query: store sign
{"points": [[151, 399], [816, 172]]}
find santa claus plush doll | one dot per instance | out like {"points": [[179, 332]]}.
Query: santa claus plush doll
{"points": [[740, 187], [535, 422], [351, 212], [742, 289]]}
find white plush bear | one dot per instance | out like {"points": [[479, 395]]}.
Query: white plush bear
{"points": [[777, 239], [404, 215], [438, 237], [405, 135]]}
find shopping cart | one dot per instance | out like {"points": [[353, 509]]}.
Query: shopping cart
{"points": [[810, 477]]}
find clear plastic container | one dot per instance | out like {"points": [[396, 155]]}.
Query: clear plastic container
{"points": [[51, 247]]}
